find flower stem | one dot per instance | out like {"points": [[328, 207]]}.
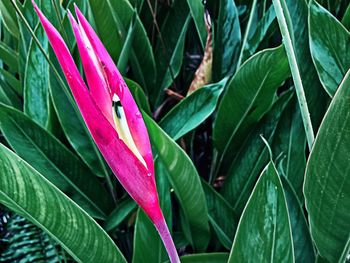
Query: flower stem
{"points": [[168, 242], [295, 72]]}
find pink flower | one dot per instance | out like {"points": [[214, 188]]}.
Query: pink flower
{"points": [[112, 117]]}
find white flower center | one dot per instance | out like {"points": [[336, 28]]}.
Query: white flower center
{"points": [[122, 128]]}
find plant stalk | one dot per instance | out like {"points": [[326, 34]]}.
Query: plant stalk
{"points": [[168, 242], [295, 72]]}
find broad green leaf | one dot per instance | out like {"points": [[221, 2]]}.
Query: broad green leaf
{"points": [[302, 242], [148, 246], [139, 95], [29, 194], [346, 18], [118, 16], [8, 96], [8, 16], [53, 160], [264, 231], [197, 13], [248, 96], [36, 82], [118, 215], [9, 56], [185, 180], [251, 158], [327, 178], [11, 80], [260, 33], [107, 29], [346, 252], [205, 258], [289, 144], [169, 49], [221, 216], [192, 110], [297, 11], [330, 47], [227, 40], [125, 52], [72, 123]]}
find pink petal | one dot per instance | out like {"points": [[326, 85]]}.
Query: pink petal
{"points": [[93, 71], [128, 169], [117, 85]]}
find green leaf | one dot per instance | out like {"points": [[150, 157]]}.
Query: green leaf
{"points": [[106, 27], [11, 80], [221, 216], [36, 82], [251, 158], [327, 178], [264, 230], [9, 56], [330, 53], [205, 258], [346, 18], [302, 242], [53, 160], [227, 40], [122, 211], [316, 97], [289, 144], [169, 49], [260, 33], [29, 194], [8, 16], [119, 14], [192, 110], [197, 13], [185, 180], [249, 95], [139, 95], [146, 237], [8, 96], [73, 124], [125, 52]]}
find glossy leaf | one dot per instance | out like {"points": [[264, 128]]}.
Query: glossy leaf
{"points": [[289, 146], [197, 13], [36, 82], [8, 16], [168, 53], [73, 125], [327, 178], [227, 40], [192, 110], [53, 160], [297, 11], [264, 230], [120, 13], [122, 211], [141, 55], [302, 242], [29, 194], [185, 180], [330, 47], [260, 33], [248, 96], [221, 216], [251, 158], [8, 56]]}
